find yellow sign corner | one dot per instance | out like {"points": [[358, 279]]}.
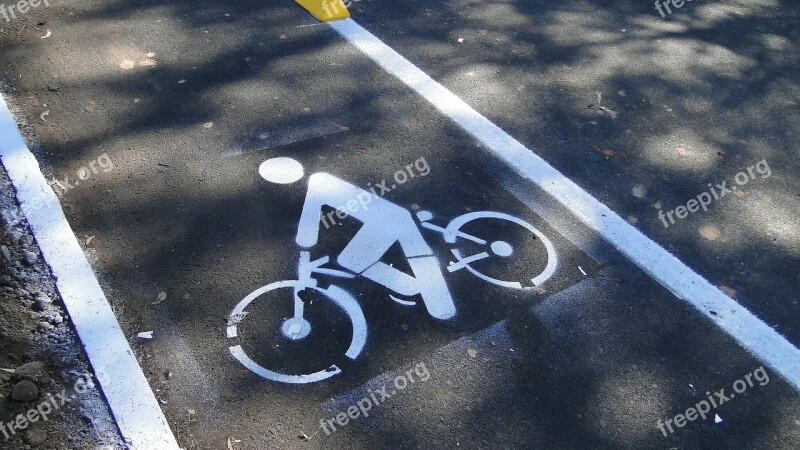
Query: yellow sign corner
{"points": [[325, 10]]}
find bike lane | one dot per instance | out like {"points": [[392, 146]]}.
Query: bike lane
{"points": [[185, 211], [646, 113]]}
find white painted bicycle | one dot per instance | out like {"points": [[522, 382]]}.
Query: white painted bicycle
{"points": [[383, 224]]}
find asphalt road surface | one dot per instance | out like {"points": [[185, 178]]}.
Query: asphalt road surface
{"points": [[484, 314]]}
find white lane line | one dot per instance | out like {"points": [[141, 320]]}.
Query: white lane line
{"points": [[135, 409], [753, 334]]}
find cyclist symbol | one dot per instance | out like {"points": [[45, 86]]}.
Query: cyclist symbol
{"points": [[383, 224]]}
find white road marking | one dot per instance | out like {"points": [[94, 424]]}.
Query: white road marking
{"points": [[337, 295], [281, 170], [127, 391], [753, 334], [454, 229]]}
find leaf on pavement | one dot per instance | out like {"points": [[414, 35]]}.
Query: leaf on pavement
{"points": [[161, 297], [602, 150]]}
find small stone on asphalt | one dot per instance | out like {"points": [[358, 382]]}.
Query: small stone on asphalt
{"points": [[24, 391], [34, 437], [29, 257]]}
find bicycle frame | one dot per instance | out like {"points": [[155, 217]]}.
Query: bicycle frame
{"points": [[297, 327]]}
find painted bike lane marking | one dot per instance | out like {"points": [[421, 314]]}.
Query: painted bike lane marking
{"points": [[749, 331]]}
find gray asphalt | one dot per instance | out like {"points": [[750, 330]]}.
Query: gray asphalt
{"points": [[692, 99], [585, 361]]}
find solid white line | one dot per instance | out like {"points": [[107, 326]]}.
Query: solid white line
{"points": [[753, 334], [135, 409]]}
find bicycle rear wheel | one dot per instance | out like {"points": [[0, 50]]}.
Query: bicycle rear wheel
{"points": [[281, 352]]}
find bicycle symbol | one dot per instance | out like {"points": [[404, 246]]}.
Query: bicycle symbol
{"points": [[383, 224]]}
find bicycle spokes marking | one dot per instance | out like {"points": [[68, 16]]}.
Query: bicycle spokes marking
{"points": [[500, 248], [425, 216], [464, 262]]}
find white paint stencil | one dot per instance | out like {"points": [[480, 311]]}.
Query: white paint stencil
{"points": [[384, 224]]}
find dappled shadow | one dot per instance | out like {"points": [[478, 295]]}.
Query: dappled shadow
{"points": [[606, 91], [691, 99]]}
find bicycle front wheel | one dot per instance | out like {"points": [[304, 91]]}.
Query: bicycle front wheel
{"points": [[502, 249]]}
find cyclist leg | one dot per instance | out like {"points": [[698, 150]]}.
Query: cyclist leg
{"points": [[362, 255], [427, 281]]}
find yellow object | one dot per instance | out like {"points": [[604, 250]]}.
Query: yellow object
{"points": [[325, 10]]}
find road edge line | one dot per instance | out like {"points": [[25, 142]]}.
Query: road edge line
{"points": [[750, 332], [128, 394]]}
